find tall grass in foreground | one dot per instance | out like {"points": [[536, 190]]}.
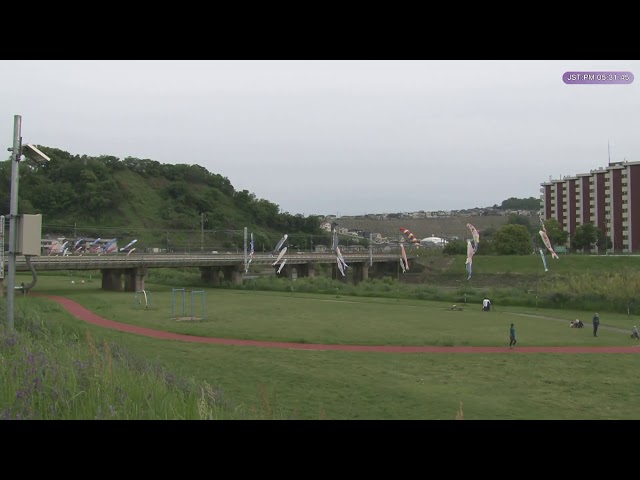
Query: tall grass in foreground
{"points": [[51, 373]]}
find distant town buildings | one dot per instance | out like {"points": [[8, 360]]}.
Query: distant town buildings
{"points": [[608, 197], [484, 211], [432, 241]]}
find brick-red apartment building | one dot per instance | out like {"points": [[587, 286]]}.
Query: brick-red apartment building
{"points": [[608, 197]]}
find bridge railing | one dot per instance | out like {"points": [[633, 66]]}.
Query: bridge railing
{"points": [[91, 262]]}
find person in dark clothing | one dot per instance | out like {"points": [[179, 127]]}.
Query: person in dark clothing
{"points": [[512, 336], [596, 323]]}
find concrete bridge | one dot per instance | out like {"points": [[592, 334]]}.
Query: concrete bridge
{"points": [[127, 272]]}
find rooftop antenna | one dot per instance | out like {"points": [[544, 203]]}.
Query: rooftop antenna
{"points": [[609, 150]]}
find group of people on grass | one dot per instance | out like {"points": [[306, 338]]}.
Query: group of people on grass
{"points": [[577, 323]]}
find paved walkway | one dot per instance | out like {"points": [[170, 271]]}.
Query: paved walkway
{"points": [[88, 316]]}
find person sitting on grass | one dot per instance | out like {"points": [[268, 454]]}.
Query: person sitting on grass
{"points": [[634, 333]]}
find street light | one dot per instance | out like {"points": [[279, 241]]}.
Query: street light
{"points": [[32, 153]]}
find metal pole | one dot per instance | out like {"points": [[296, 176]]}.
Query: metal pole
{"points": [[399, 260], [245, 248], [13, 212], [371, 249], [201, 232]]}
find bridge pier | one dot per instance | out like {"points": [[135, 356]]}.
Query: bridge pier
{"points": [[210, 275], [386, 268], [232, 274], [360, 272], [111, 279], [134, 279], [306, 270]]}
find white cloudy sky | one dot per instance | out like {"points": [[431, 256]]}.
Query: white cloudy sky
{"points": [[346, 137]]}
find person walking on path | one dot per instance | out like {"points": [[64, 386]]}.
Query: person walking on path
{"points": [[512, 336], [596, 323]]}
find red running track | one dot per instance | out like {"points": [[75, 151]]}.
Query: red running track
{"points": [[88, 316]]}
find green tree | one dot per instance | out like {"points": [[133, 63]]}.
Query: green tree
{"points": [[585, 236], [513, 203], [604, 242], [555, 233], [455, 247], [487, 233], [485, 247], [515, 219], [512, 240]]}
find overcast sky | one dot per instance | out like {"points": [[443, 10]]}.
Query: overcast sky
{"points": [[336, 137]]}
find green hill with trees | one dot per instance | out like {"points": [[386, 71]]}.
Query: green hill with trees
{"points": [[163, 205]]}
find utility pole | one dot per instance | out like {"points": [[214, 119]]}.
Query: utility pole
{"points": [[13, 217], [202, 215], [245, 248], [370, 249]]}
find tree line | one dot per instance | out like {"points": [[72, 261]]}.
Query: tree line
{"points": [[519, 236]]}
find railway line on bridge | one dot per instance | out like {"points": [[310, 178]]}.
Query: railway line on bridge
{"points": [[160, 260]]}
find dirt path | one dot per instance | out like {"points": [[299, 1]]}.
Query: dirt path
{"points": [[88, 316]]}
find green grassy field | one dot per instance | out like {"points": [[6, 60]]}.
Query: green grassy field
{"points": [[532, 264], [315, 318], [354, 385]]}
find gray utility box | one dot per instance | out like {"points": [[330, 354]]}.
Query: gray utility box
{"points": [[29, 235]]}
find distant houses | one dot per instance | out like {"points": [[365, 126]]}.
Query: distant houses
{"points": [[450, 224], [470, 212]]}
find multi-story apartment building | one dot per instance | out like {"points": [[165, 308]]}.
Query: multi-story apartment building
{"points": [[608, 197]]}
